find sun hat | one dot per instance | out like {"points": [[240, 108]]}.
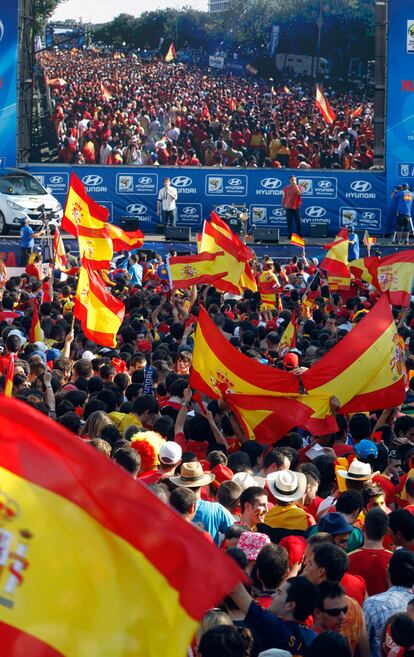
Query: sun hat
{"points": [[246, 480], [290, 361], [357, 471], [366, 448], [192, 476], [287, 486], [334, 523], [170, 453], [251, 543]]}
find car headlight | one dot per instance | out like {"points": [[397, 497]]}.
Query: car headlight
{"points": [[15, 206], [58, 207]]}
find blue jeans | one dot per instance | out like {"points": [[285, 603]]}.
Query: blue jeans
{"points": [[169, 217]]}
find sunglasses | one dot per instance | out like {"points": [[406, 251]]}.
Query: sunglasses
{"points": [[336, 611]]}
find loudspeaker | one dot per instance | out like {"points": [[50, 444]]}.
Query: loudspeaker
{"points": [[318, 230], [266, 235], [178, 234], [127, 223]]}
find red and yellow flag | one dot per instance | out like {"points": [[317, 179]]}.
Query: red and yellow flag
{"points": [[36, 332], [247, 279], [105, 93], [357, 112], [125, 240], [61, 261], [324, 107], [361, 267], [219, 370], [336, 260], [171, 54], [296, 240], [8, 384], [394, 275], [288, 339], [185, 271], [231, 259], [100, 313], [152, 574]]}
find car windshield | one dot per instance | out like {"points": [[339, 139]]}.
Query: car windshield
{"points": [[16, 185]]}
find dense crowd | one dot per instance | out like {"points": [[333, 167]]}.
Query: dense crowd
{"points": [[322, 525], [113, 109]]}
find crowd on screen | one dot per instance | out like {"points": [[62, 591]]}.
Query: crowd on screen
{"points": [[322, 525], [112, 109]]}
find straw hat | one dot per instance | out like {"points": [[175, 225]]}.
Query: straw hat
{"points": [[358, 471], [192, 476], [287, 486]]}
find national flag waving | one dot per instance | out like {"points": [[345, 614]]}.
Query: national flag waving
{"points": [[361, 268], [185, 271], [142, 572], [100, 313], [297, 240], [125, 240], [324, 107], [60, 260], [106, 94], [231, 260], [8, 384], [336, 260], [394, 275], [247, 279], [288, 339], [357, 112], [171, 54], [36, 332]]}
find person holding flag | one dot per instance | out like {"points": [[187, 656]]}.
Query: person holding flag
{"points": [[291, 201]]}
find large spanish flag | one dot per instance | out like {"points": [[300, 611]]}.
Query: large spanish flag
{"points": [[92, 562], [288, 339], [221, 226], [232, 257], [36, 332], [336, 260], [185, 271], [394, 275], [100, 313], [324, 107], [219, 370]]}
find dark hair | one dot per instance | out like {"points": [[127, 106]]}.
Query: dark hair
{"points": [[145, 403], [333, 559], [409, 486], [164, 425], [250, 495], [305, 596], [238, 462], [95, 384], [216, 457], [71, 421], [253, 449], [402, 521], [127, 458], [182, 499], [234, 531], [330, 590], [371, 491], [376, 524], [272, 565], [328, 644], [359, 427], [403, 424], [275, 457], [111, 434], [238, 556], [401, 568], [326, 468], [349, 502], [402, 630], [311, 472], [83, 368], [223, 640]]}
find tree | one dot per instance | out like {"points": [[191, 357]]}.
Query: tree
{"points": [[43, 11]]}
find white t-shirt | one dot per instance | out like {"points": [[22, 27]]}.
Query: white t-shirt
{"points": [[168, 197]]}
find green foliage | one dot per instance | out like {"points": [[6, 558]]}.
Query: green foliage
{"points": [[43, 11]]}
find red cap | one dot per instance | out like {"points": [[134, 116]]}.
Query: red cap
{"points": [[290, 361], [222, 473], [143, 346], [163, 328], [295, 546]]}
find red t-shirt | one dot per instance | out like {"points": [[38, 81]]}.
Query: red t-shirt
{"points": [[372, 566], [355, 587], [198, 448]]}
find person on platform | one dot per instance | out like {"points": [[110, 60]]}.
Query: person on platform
{"points": [[166, 204], [353, 244], [27, 238], [291, 201], [404, 198]]}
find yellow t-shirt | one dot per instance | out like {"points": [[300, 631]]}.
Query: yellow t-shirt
{"points": [[124, 420], [287, 517]]}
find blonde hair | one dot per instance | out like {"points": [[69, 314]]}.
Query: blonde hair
{"points": [[212, 618], [95, 423]]}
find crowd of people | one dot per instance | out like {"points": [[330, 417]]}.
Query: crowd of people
{"points": [[323, 526], [113, 109]]}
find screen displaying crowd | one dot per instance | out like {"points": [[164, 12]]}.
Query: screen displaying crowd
{"points": [[115, 109]]}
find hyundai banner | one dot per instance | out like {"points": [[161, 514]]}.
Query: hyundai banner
{"points": [[8, 82], [332, 199]]}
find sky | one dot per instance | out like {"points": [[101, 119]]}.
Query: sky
{"points": [[100, 11]]}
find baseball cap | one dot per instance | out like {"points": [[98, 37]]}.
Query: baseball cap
{"points": [[290, 361], [170, 452], [366, 448]]}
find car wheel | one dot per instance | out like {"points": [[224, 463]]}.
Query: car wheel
{"points": [[3, 225]]}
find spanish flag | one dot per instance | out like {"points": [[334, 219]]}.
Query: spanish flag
{"points": [[171, 54], [185, 271], [394, 275], [361, 269], [296, 240], [231, 259], [219, 370], [357, 112], [60, 259], [8, 384], [105, 93], [288, 339], [100, 313], [247, 279], [336, 260], [36, 332], [92, 562], [125, 240], [324, 107]]}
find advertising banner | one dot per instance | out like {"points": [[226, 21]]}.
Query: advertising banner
{"points": [[400, 98], [332, 199], [8, 82]]}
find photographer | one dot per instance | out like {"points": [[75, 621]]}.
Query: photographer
{"points": [[404, 198], [27, 238]]}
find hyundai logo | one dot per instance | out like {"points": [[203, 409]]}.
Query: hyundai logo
{"points": [[145, 180], [136, 208], [235, 182], [315, 211], [181, 181], [271, 183], [56, 180], [222, 209], [368, 215], [361, 186], [325, 184], [1, 30], [189, 210], [278, 212], [92, 180]]}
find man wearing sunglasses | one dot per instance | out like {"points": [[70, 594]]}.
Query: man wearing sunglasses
{"points": [[332, 608]]}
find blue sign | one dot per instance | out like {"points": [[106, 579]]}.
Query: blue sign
{"points": [[328, 199], [8, 82], [400, 98]]}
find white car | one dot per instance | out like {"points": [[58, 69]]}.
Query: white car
{"points": [[21, 195]]}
